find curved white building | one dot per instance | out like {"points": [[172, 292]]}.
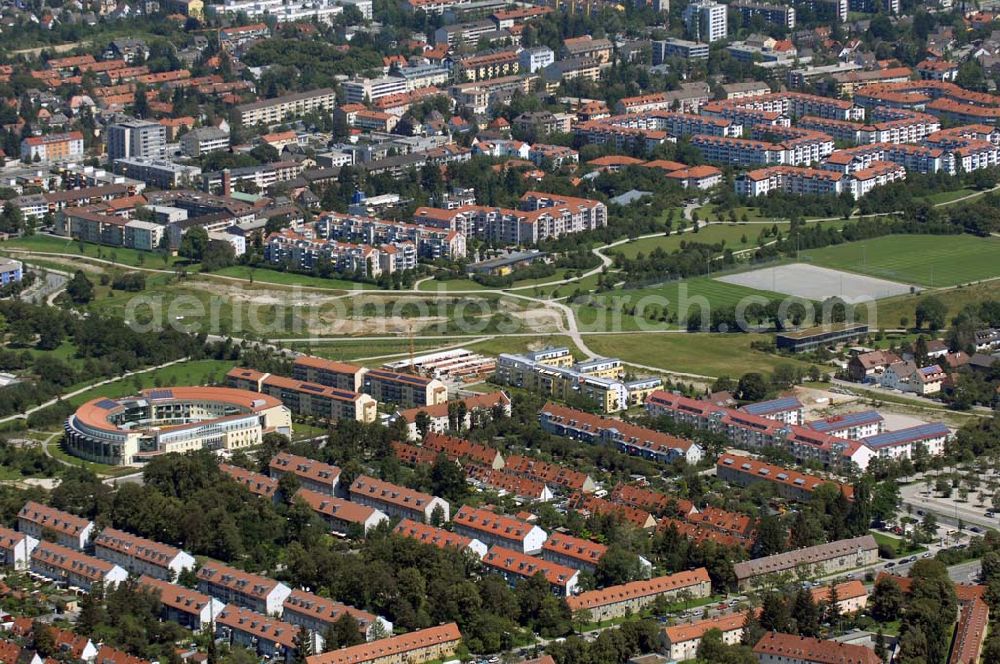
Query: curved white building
{"points": [[180, 419]]}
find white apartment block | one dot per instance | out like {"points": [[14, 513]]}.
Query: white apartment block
{"points": [[270, 111], [706, 21], [363, 90], [284, 11], [139, 555], [533, 59]]}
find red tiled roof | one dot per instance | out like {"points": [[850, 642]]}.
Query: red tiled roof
{"points": [[391, 647], [626, 591], [779, 645]]}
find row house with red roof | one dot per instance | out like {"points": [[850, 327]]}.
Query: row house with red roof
{"points": [[138, 555], [258, 484], [787, 482], [552, 474], [655, 502], [43, 522], [495, 529], [631, 598], [268, 637], [236, 587], [398, 501], [318, 614], [439, 537], [595, 505], [507, 483], [779, 648], [310, 473], [16, 548], [432, 644], [187, 607], [15, 654], [68, 644], [515, 566], [459, 449], [73, 568], [343, 516]]}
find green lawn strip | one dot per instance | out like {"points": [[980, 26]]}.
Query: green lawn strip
{"points": [[119, 255], [926, 260], [949, 196], [729, 232], [705, 354], [194, 372], [265, 275]]}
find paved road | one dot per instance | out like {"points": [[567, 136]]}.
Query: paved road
{"points": [[947, 511]]}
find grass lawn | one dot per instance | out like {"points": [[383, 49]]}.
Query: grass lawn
{"points": [[896, 544], [891, 310], [119, 255], [268, 276], [195, 372], [730, 233], [704, 354], [682, 298], [926, 260], [948, 196]]}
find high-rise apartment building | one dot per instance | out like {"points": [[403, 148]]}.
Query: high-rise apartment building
{"points": [[137, 138], [705, 20]]}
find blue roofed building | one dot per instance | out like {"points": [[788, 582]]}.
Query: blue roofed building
{"points": [[852, 426], [784, 409], [903, 443]]}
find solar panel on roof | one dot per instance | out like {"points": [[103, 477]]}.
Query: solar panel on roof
{"points": [[311, 387], [784, 403], [161, 394], [907, 435], [106, 404]]}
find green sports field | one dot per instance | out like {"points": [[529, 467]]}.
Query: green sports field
{"points": [[925, 260]]}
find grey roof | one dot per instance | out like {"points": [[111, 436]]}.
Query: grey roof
{"points": [[784, 562], [630, 197]]}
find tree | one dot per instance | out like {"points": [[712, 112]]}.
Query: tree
{"points": [[44, 640], [774, 613], [887, 600], [752, 387], [617, 566], [303, 646], [448, 479], [771, 537], [932, 311], [217, 255], [805, 613], [194, 243], [423, 423], [80, 289]]}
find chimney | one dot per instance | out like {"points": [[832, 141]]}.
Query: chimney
{"points": [[227, 182]]}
